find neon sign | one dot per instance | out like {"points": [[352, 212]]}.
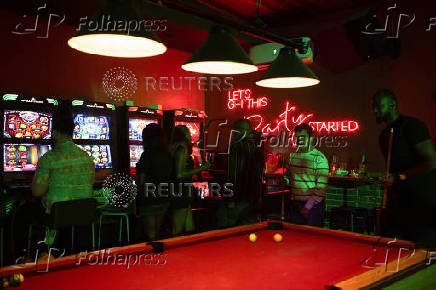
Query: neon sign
{"points": [[335, 127], [288, 119], [243, 99]]}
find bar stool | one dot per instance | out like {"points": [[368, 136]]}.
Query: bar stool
{"points": [[72, 213], [7, 206], [116, 212], [342, 217], [353, 219]]}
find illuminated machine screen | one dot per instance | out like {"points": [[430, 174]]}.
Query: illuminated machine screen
{"points": [[101, 154], [196, 155], [22, 157], [135, 154], [194, 129], [202, 188], [136, 126], [27, 125], [91, 127]]}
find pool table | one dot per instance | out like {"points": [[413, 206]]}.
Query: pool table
{"points": [[306, 258]]}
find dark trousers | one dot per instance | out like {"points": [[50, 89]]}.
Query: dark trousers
{"points": [[314, 218], [411, 210], [30, 213], [230, 214]]}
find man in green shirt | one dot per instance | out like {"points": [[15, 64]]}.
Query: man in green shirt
{"points": [[307, 176], [64, 173]]}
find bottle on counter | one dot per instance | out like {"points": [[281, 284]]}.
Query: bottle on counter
{"points": [[333, 165], [363, 166]]}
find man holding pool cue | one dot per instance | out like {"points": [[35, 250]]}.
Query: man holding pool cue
{"points": [[410, 202]]}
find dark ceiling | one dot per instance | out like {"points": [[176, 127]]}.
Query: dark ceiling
{"points": [[190, 20]]}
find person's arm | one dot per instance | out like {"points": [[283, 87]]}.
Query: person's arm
{"points": [[41, 179], [232, 164], [140, 180], [140, 174], [321, 181], [287, 173], [427, 153], [418, 135], [180, 165]]}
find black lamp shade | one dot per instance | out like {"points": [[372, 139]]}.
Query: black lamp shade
{"points": [[288, 71], [220, 54]]}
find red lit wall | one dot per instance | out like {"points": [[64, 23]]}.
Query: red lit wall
{"points": [[49, 67], [347, 94]]}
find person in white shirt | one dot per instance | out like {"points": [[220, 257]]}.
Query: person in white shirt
{"points": [[307, 176]]}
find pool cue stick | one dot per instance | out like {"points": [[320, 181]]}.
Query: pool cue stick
{"points": [[385, 188], [282, 216], [388, 165], [283, 177]]}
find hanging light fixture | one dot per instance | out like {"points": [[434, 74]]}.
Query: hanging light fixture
{"points": [[220, 54], [288, 71], [117, 30]]}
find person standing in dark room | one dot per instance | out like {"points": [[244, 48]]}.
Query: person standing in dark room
{"points": [[411, 201], [184, 169], [244, 171], [155, 167]]}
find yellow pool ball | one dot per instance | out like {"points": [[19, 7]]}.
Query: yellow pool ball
{"points": [[278, 238], [252, 238]]}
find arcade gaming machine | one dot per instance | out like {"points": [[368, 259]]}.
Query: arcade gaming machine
{"points": [[27, 135], [94, 133], [192, 119], [132, 120]]}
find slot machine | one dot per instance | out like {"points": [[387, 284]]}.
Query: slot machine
{"points": [[27, 136], [95, 134], [132, 120], [192, 119]]}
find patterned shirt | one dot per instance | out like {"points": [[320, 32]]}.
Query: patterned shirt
{"points": [[69, 172], [308, 175]]}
